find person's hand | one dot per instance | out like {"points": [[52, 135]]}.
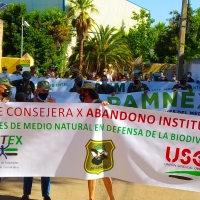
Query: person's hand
{"points": [[146, 91], [113, 93], [51, 100], [5, 100], [190, 90], [175, 89], [104, 103]]}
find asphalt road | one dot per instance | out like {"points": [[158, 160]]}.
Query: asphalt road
{"points": [[73, 189]]}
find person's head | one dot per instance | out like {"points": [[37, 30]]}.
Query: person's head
{"points": [[189, 75], [136, 79], [78, 82], [33, 70], [5, 87], [161, 73], [19, 68], [104, 80], [52, 68], [174, 76], [125, 71], [88, 93], [93, 74], [105, 72], [4, 70], [146, 77], [21, 97], [26, 76], [96, 77], [42, 90], [66, 75], [183, 79], [75, 73], [89, 77], [140, 75]]}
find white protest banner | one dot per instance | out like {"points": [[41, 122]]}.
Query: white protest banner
{"points": [[57, 85], [176, 102], [88, 141], [64, 85]]}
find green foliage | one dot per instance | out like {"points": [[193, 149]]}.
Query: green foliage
{"points": [[105, 48], [81, 20], [192, 47], [141, 36], [45, 40], [166, 47]]}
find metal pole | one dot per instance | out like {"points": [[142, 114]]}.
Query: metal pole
{"points": [[182, 31], [22, 36]]}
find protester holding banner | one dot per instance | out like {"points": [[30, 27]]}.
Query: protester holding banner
{"points": [[88, 94], [105, 88], [137, 86], [41, 95], [183, 84], [18, 71], [5, 90], [25, 85]]}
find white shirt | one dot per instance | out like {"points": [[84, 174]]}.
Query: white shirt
{"points": [[109, 77]]}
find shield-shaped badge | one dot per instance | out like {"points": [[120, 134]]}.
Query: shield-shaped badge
{"points": [[99, 156]]}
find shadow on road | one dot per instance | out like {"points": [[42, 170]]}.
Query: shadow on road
{"points": [[6, 197]]}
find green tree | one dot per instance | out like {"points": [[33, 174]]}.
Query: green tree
{"points": [[82, 21], [51, 29], [141, 36], [12, 17], [105, 48], [46, 38], [192, 47], [166, 46]]}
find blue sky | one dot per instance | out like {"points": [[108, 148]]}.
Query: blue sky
{"points": [[160, 9]]}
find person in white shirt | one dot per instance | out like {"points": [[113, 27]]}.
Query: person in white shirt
{"points": [[109, 77]]}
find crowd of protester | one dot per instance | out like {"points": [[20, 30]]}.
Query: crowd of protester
{"points": [[27, 92]]}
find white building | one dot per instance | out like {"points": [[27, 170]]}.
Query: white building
{"points": [[115, 13]]}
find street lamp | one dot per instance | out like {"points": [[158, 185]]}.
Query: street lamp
{"points": [[24, 23]]}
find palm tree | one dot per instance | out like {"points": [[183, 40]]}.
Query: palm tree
{"points": [[107, 48], [81, 21]]}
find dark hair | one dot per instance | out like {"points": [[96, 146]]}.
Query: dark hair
{"points": [[93, 94], [18, 66]]}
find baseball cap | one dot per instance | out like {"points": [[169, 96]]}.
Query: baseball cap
{"points": [[88, 86], [183, 76], [5, 81], [44, 85], [4, 68], [136, 76], [78, 79], [26, 75]]}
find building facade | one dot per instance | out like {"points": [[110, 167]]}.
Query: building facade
{"points": [[115, 13], [40, 4]]}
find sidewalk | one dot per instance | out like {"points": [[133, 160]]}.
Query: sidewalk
{"points": [[73, 189]]}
